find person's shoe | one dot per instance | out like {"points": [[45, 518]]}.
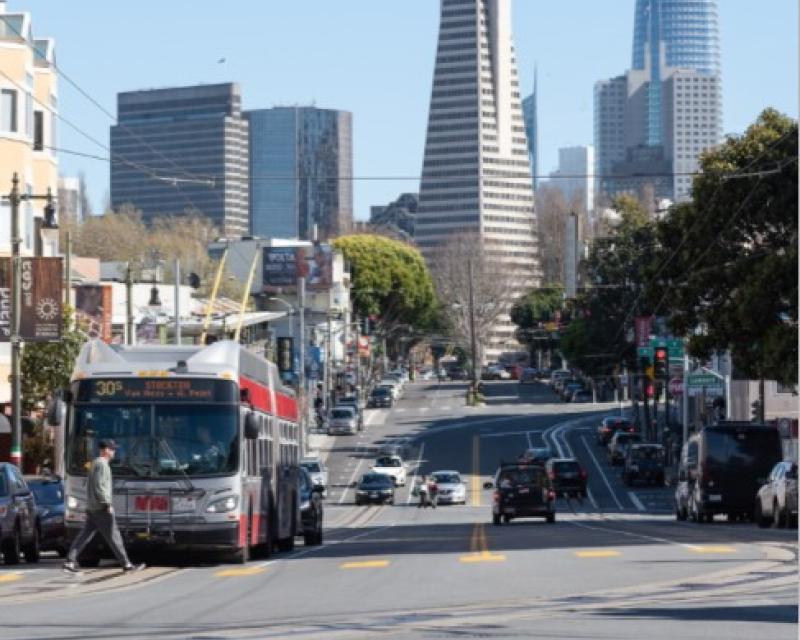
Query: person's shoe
{"points": [[132, 568], [71, 567]]}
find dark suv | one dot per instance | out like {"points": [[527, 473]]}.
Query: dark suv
{"points": [[522, 490], [645, 463], [19, 524], [48, 491], [567, 476], [609, 426]]}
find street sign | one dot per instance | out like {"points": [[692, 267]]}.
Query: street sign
{"points": [[676, 387], [645, 352], [699, 380], [675, 348]]}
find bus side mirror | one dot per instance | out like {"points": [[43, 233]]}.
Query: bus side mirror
{"points": [[251, 426]]}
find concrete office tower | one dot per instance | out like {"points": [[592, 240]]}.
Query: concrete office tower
{"points": [[666, 110], [530, 112], [575, 175], [476, 177], [182, 151], [301, 172]]}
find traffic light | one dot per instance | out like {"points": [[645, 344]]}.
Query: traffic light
{"points": [[661, 362], [651, 390], [756, 411]]}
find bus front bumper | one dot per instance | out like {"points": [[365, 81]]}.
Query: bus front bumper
{"points": [[217, 535]]}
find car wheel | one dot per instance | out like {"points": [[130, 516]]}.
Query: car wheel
{"points": [[496, 519], [286, 544], [680, 514], [11, 549], [777, 516], [761, 521], [551, 518], [31, 550]]}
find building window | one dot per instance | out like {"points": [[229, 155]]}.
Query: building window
{"points": [[38, 131], [786, 388], [8, 110]]}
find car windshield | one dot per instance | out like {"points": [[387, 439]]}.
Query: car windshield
{"points": [[47, 493], [515, 476], [566, 467], [380, 392], [341, 414], [313, 467], [157, 440], [447, 478], [388, 462], [376, 480]]}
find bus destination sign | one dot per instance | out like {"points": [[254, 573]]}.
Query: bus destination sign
{"points": [[155, 390]]}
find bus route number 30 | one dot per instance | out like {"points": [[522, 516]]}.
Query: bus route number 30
{"points": [[107, 388]]}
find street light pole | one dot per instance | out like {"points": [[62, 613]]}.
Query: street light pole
{"points": [[301, 303], [16, 344], [473, 339]]}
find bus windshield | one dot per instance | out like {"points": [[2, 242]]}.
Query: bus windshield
{"points": [[157, 440]]}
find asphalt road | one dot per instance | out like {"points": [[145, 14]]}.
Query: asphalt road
{"points": [[617, 565]]}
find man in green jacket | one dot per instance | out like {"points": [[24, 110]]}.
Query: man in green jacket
{"points": [[100, 513]]}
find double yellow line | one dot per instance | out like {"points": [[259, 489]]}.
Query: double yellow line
{"points": [[479, 548]]}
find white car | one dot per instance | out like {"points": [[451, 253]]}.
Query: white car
{"points": [[776, 501], [342, 420], [393, 386], [316, 470], [450, 487], [392, 466]]}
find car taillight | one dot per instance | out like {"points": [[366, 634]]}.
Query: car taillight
{"points": [[631, 429], [551, 495]]}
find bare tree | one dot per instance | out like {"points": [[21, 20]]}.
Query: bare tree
{"points": [[493, 288], [551, 216]]}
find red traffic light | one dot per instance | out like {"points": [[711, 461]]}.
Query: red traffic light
{"points": [[650, 390], [661, 354]]}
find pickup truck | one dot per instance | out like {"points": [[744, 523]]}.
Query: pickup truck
{"points": [[392, 466]]}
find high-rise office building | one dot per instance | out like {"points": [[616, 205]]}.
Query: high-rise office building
{"points": [[575, 175], [652, 124], [531, 115], [182, 151], [301, 166], [476, 176]]}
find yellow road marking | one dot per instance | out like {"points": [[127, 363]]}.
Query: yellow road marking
{"points": [[366, 564], [711, 548], [476, 471], [599, 553], [235, 573], [10, 577], [479, 548]]}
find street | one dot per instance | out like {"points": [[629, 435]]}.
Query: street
{"points": [[615, 565]]}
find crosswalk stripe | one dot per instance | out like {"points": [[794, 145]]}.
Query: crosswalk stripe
{"points": [[365, 564]]}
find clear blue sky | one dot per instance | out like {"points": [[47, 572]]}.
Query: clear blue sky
{"points": [[375, 58]]}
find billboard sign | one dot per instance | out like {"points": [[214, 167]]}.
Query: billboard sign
{"points": [[40, 296], [279, 267], [282, 266], [93, 310]]}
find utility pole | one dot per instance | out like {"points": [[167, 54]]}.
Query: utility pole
{"points": [[177, 301], [301, 303], [473, 339], [129, 305], [329, 363], [16, 344], [68, 270]]}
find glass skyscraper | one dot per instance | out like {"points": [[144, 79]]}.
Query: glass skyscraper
{"points": [[301, 163]]}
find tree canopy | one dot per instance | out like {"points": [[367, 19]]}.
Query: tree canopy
{"points": [[390, 281], [727, 265]]}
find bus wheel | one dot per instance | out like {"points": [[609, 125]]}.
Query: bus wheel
{"points": [[286, 544]]}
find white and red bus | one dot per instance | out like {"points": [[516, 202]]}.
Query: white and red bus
{"points": [[207, 447]]}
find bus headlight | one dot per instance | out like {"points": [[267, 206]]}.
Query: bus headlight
{"points": [[223, 506], [75, 503]]}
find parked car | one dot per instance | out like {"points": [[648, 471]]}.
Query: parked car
{"points": [[352, 401], [316, 471], [375, 487], [495, 372], [48, 492], [529, 376], [644, 462], [392, 466], [558, 375], [19, 522], [776, 502], [609, 426], [380, 397], [342, 420], [581, 395], [537, 455], [567, 476], [425, 374], [722, 468], [393, 387], [521, 491], [569, 387], [457, 373], [450, 486], [311, 509], [618, 446]]}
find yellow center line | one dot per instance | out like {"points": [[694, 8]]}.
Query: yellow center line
{"points": [[711, 548], [479, 548], [235, 573], [476, 471], [10, 577], [365, 564], [598, 553]]}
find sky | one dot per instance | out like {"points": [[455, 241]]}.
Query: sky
{"points": [[375, 58]]}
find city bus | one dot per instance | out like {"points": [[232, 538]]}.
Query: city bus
{"points": [[207, 447]]}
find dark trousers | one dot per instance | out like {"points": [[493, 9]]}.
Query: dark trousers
{"points": [[104, 523]]}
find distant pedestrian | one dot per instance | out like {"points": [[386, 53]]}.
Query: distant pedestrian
{"points": [[100, 513], [422, 491], [433, 492]]}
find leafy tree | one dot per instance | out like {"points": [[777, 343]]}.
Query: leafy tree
{"points": [[531, 311], [391, 282], [47, 366], [727, 270]]}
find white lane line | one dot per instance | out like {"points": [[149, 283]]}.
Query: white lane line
{"points": [[416, 469], [352, 477], [591, 499], [602, 475], [635, 499]]}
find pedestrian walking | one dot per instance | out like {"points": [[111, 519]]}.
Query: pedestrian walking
{"points": [[422, 491], [433, 492], [100, 513]]}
